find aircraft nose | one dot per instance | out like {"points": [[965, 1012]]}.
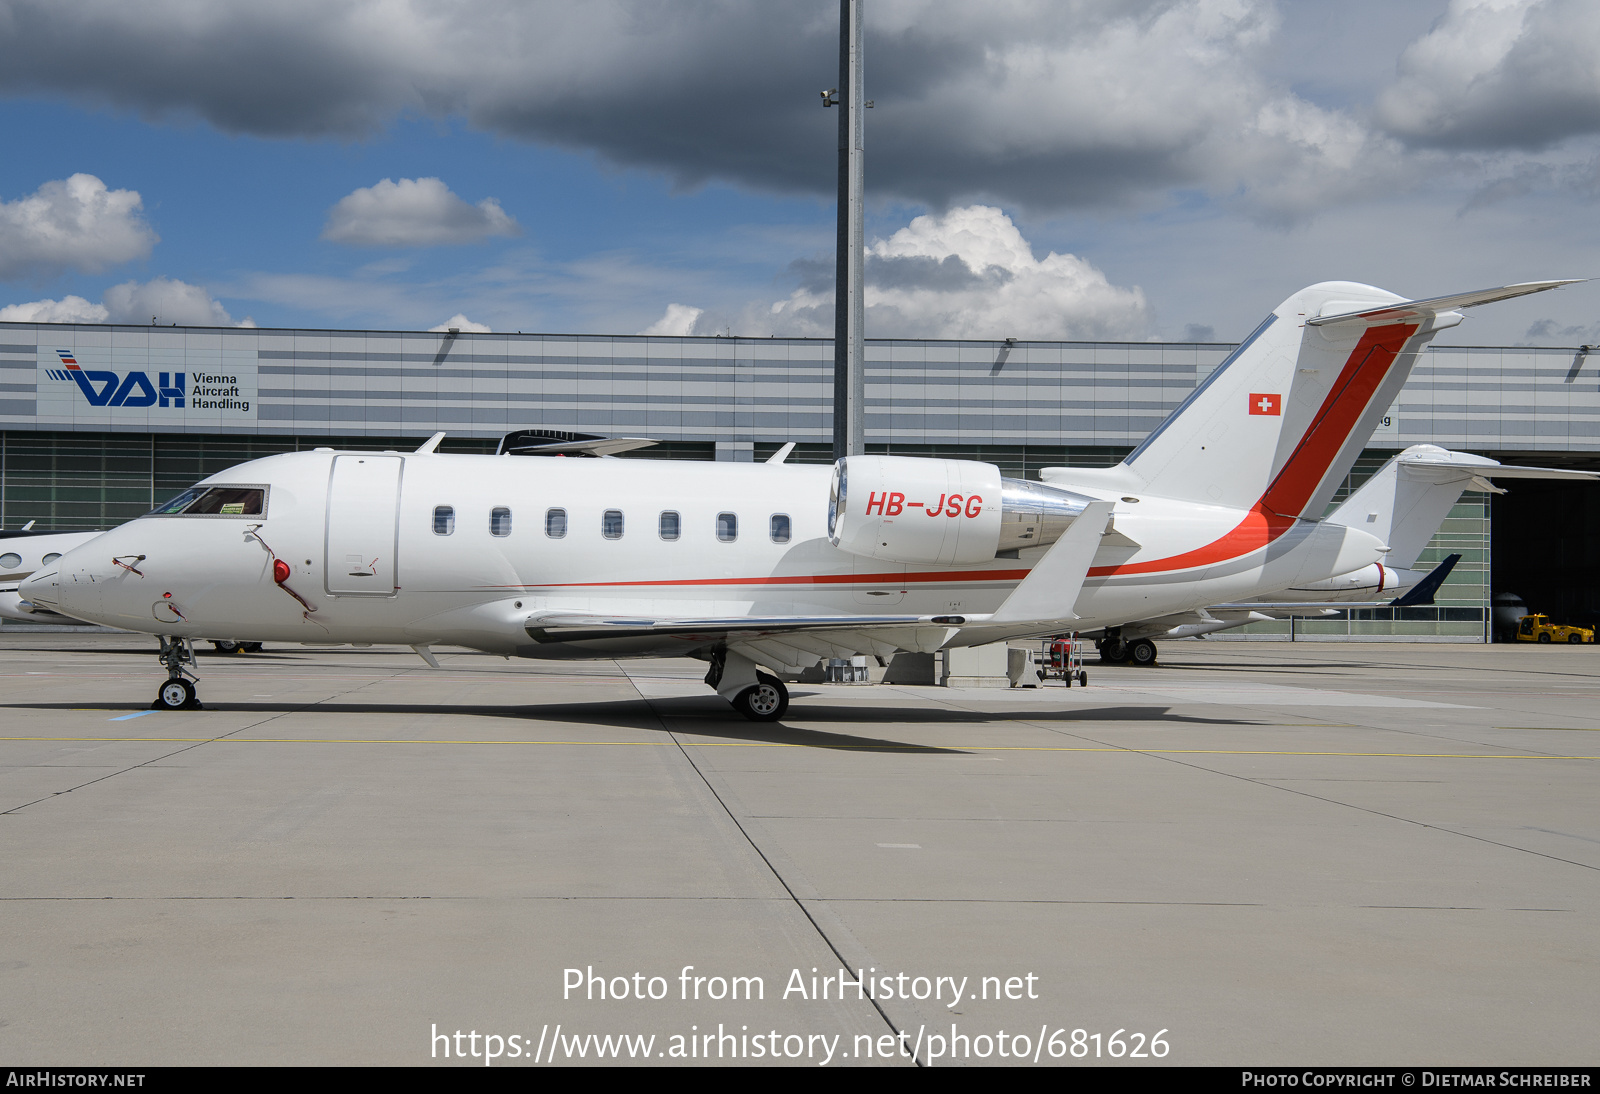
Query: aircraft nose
{"points": [[69, 587], [42, 588]]}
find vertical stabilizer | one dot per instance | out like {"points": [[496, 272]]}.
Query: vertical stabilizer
{"points": [[1281, 420], [1278, 425]]}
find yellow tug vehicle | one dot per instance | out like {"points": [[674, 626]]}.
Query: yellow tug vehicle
{"points": [[1538, 628]]}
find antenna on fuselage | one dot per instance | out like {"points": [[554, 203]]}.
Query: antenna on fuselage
{"points": [[429, 445]]}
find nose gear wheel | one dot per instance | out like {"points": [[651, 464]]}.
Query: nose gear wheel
{"points": [[178, 692]]}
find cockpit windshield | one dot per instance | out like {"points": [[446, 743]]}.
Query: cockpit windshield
{"points": [[216, 501]]}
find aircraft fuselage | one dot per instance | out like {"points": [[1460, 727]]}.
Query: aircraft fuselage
{"points": [[430, 548]]}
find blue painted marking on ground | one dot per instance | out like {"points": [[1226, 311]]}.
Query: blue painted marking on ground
{"points": [[125, 717]]}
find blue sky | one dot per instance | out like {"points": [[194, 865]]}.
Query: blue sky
{"points": [[1093, 169]]}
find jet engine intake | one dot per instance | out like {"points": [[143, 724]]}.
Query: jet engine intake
{"points": [[908, 509]]}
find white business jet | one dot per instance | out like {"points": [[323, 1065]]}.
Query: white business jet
{"points": [[771, 566], [23, 551], [1404, 503]]}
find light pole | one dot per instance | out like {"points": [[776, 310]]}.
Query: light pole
{"points": [[849, 390]]}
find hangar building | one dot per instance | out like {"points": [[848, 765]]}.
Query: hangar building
{"points": [[173, 404]]}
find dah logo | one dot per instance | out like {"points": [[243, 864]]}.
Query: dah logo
{"points": [[103, 388]]}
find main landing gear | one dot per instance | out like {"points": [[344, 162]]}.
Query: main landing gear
{"points": [[1140, 652], [765, 701], [230, 647], [177, 693], [756, 695]]}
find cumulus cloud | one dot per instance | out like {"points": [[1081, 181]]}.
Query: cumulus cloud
{"points": [[1548, 332], [969, 273], [459, 321], [166, 301], [163, 300], [1041, 105], [69, 309], [74, 223], [414, 213], [1499, 74], [677, 322]]}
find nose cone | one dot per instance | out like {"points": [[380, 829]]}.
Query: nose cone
{"points": [[42, 587], [69, 586]]}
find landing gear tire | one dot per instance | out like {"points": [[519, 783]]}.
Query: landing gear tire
{"points": [[176, 695], [250, 647], [766, 701], [1142, 652], [229, 646], [1113, 650]]}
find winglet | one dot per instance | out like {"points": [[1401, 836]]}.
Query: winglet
{"points": [[1050, 591], [781, 454], [429, 445], [1421, 594], [422, 649]]}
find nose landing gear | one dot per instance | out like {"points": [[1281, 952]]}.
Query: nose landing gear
{"points": [[177, 692]]}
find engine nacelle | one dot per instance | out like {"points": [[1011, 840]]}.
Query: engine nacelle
{"points": [[907, 509]]}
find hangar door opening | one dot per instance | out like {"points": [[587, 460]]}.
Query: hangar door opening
{"points": [[1546, 543], [363, 525]]}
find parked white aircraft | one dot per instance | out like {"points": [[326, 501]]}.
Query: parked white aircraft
{"points": [[775, 565], [22, 551], [1404, 503]]}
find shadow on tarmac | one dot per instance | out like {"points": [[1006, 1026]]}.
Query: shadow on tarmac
{"points": [[633, 714]]}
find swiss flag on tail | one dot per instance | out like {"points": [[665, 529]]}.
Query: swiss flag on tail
{"points": [[1265, 404]]}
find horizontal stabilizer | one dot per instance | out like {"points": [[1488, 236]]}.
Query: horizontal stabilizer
{"points": [[1420, 309], [1471, 467]]}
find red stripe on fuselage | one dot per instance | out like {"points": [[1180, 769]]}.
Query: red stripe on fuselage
{"points": [[1363, 373]]}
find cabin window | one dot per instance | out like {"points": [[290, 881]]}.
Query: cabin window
{"points": [[611, 524], [780, 528], [499, 521], [444, 520], [49, 558], [727, 527], [671, 524], [555, 523], [10, 561]]}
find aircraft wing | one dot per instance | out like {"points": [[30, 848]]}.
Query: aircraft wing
{"points": [[1418, 309], [1298, 605], [569, 627], [784, 643], [1044, 598]]}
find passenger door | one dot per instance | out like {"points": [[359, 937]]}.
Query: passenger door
{"points": [[363, 525]]}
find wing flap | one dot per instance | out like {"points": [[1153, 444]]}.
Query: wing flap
{"points": [[569, 627]]}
